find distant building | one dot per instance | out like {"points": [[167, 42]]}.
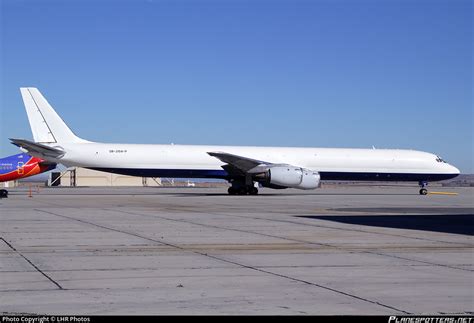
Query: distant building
{"points": [[78, 176]]}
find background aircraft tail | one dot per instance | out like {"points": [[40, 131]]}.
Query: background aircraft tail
{"points": [[46, 125]]}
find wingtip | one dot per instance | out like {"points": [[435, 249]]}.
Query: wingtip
{"points": [[14, 139]]}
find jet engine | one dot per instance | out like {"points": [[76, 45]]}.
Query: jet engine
{"points": [[290, 176]]}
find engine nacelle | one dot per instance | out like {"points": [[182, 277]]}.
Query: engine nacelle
{"points": [[310, 180], [294, 177]]}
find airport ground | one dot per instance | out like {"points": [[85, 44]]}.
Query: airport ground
{"points": [[336, 250]]}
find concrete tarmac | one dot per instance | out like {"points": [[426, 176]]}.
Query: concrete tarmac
{"points": [[342, 250]]}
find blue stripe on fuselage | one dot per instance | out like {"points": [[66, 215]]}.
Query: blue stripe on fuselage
{"points": [[385, 177], [177, 173], [222, 174]]}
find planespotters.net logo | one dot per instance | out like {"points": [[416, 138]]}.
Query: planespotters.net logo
{"points": [[430, 319]]}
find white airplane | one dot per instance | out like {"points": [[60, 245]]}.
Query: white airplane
{"points": [[244, 167]]}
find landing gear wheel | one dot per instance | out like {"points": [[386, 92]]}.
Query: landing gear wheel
{"points": [[423, 185], [243, 191], [253, 190], [3, 194]]}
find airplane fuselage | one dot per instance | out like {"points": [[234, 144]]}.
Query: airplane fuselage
{"points": [[192, 161]]}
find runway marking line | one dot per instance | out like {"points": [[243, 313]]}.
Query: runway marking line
{"points": [[442, 193]]}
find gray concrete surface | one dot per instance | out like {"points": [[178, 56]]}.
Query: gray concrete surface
{"points": [[341, 250]]}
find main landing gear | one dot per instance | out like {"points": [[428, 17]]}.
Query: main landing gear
{"points": [[243, 186], [243, 190], [423, 185], [3, 193]]}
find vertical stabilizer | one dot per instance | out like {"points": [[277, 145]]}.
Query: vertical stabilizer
{"points": [[46, 125]]}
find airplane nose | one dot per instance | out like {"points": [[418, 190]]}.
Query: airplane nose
{"points": [[454, 170]]}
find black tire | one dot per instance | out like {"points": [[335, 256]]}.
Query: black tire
{"points": [[423, 191], [243, 191], [253, 191], [3, 194], [231, 191]]}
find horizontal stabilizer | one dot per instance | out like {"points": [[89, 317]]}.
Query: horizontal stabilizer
{"points": [[37, 149]]}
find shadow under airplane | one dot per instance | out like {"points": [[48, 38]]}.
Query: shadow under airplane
{"points": [[446, 223]]}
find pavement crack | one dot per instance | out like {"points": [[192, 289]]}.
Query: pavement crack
{"points": [[310, 283], [32, 264]]}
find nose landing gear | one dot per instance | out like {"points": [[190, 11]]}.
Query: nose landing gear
{"points": [[423, 185]]}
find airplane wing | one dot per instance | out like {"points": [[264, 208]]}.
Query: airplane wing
{"points": [[41, 150], [241, 165]]}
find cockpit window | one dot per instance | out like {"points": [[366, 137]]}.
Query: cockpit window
{"points": [[440, 160]]}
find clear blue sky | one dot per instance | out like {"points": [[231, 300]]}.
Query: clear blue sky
{"points": [[393, 74]]}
